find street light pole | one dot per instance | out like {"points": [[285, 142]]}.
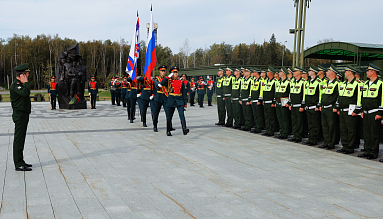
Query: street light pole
{"points": [[283, 51], [12, 66]]}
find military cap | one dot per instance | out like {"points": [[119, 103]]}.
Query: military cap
{"points": [[263, 71], [284, 70], [92, 76], [117, 77], [314, 69], [220, 69], [271, 69], [229, 69], [174, 68], [183, 75], [162, 67], [22, 68], [113, 77], [246, 69], [352, 69], [334, 69], [321, 68], [242, 68], [125, 77], [256, 70], [300, 69], [374, 67], [289, 69], [53, 77]]}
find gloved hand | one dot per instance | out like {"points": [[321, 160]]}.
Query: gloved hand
{"points": [[89, 93], [49, 94], [159, 85], [97, 94], [171, 75], [151, 97], [138, 95]]}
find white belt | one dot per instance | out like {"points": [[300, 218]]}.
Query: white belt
{"points": [[327, 106], [255, 101], [311, 107], [279, 104], [296, 105], [371, 111], [235, 98], [344, 110], [269, 101], [227, 95], [245, 99], [219, 96]]}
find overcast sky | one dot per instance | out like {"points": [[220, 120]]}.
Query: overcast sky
{"points": [[203, 22]]}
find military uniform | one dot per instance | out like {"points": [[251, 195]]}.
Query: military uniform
{"points": [[192, 93], [201, 86], [160, 97], [21, 105], [53, 93], [246, 103], [282, 90], [258, 114], [127, 97], [227, 87], [220, 102], [210, 91], [146, 85], [93, 93], [268, 98], [237, 108], [297, 88], [135, 89], [152, 102], [124, 88], [112, 91]]}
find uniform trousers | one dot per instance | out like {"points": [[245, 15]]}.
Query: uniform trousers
{"points": [[283, 119], [258, 115], [297, 125], [113, 95], [221, 110], [371, 133], [347, 130], [329, 126], [229, 110], [270, 115], [313, 125], [247, 115], [21, 123], [93, 98]]}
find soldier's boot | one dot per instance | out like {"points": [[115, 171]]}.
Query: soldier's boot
{"points": [[171, 126], [132, 117], [124, 103], [144, 120], [129, 115], [184, 129], [209, 103], [168, 128], [155, 125]]}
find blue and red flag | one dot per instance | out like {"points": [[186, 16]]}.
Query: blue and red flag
{"points": [[151, 58], [131, 66]]}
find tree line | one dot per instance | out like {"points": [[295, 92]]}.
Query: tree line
{"points": [[107, 58]]}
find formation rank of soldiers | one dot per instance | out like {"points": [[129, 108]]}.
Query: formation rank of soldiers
{"points": [[168, 92], [313, 103]]}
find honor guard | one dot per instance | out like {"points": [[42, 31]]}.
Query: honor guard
{"points": [[53, 92], [268, 98], [245, 101], [372, 111], [220, 101], [124, 88], [161, 96], [21, 105], [134, 93], [282, 93], [117, 85], [349, 100], [93, 92], [256, 102], [201, 86], [176, 99], [146, 84], [113, 90], [193, 88], [311, 100], [210, 90], [152, 102], [227, 87], [235, 96], [327, 101], [127, 96], [186, 84]]}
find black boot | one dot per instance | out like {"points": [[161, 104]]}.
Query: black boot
{"points": [[171, 126], [129, 117], [184, 129], [144, 120], [132, 116], [168, 128], [155, 125], [209, 103]]}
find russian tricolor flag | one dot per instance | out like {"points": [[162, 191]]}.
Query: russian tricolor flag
{"points": [[151, 58], [131, 66]]}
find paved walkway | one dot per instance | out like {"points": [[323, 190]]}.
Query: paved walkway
{"points": [[94, 164]]}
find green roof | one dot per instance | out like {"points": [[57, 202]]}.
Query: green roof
{"points": [[345, 51]]}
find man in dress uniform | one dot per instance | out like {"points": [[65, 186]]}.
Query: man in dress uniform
{"points": [[127, 96], [176, 99], [117, 85], [359, 125], [235, 96], [161, 96], [124, 88], [282, 91], [328, 110], [256, 103], [268, 100], [311, 100], [93, 92], [193, 87], [152, 102], [186, 84], [227, 87], [201, 85], [53, 92], [220, 102], [245, 101], [210, 90], [296, 104], [133, 94], [146, 84], [349, 98], [21, 105], [113, 90], [372, 111]]}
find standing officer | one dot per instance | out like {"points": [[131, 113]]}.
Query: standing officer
{"points": [[146, 94], [220, 101], [176, 99], [296, 104], [53, 92], [311, 100], [113, 90], [282, 91], [127, 96], [201, 91], [268, 98], [328, 108], [210, 90], [117, 85], [359, 125], [235, 96], [161, 96], [186, 84], [192, 91], [124, 88], [372, 106], [349, 95], [227, 87], [245, 101], [21, 105], [93, 92], [256, 103]]}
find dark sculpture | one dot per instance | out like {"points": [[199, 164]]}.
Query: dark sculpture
{"points": [[72, 78]]}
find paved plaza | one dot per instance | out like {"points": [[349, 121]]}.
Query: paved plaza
{"points": [[95, 164]]}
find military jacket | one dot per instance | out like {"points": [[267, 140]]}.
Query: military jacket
{"points": [[282, 89], [117, 85], [256, 88], [227, 85], [219, 86], [162, 92], [124, 87], [330, 94], [268, 91], [146, 86], [349, 93], [187, 86], [210, 86], [177, 92], [135, 88], [246, 89], [236, 88], [111, 85], [93, 87], [53, 89], [201, 87], [372, 96], [297, 90], [312, 93], [20, 101]]}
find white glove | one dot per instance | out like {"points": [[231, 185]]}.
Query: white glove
{"points": [[171, 74], [138, 95], [49, 94], [159, 85], [89, 94], [151, 97], [97, 94]]}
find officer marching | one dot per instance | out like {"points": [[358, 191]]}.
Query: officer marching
{"points": [[93, 92], [192, 91], [53, 92], [161, 96], [112, 90], [201, 86], [146, 84], [124, 88], [117, 85]]}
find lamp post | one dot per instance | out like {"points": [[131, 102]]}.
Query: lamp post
{"points": [[283, 50], [12, 66]]}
